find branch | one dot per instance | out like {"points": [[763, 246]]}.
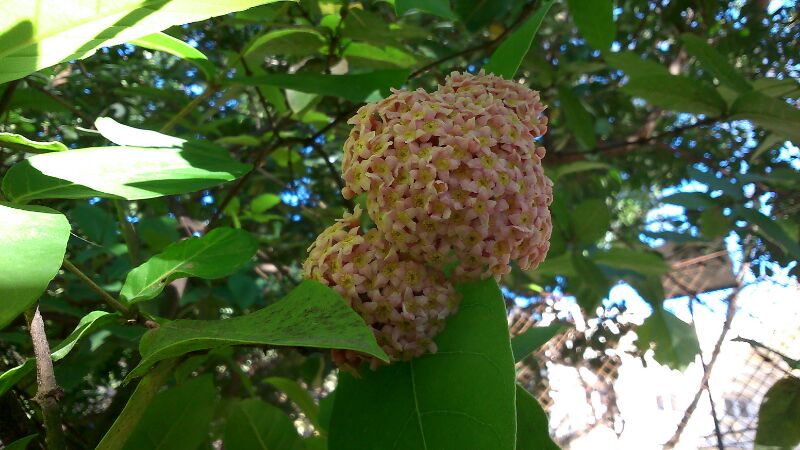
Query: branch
{"points": [[620, 148], [707, 367], [47, 391], [129, 313]]}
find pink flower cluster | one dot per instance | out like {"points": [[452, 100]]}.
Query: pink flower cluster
{"points": [[404, 302], [452, 178], [455, 176]]}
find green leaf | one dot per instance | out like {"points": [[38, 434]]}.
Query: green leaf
{"points": [[120, 134], [289, 41], [312, 315], [264, 202], [579, 166], [178, 418], [370, 56], [137, 406], [779, 415], [416, 404], [21, 444], [674, 341], [634, 65], [713, 223], [34, 240], [131, 173], [716, 64], [771, 113], [771, 141], [641, 261], [531, 339], [40, 34], [577, 118], [595, 21], [299, 396], [165, 43], [439, 8], [769, 229], [592, 220], [87, 325], [506, 59], [533, 432], [591, 285], [359, 87], [255, 424], [476, 14], [23, 144], [774, 87], [676, 93], [689, 200], [558, 266], [215, 255]]}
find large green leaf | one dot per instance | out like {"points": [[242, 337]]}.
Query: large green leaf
{"points": [[506, 59], [689, 200], [674, 341], [299, 396], [120, 134], [533, 433], [370, 56], [255, 424], [634, 65], [215, 255], [531, 339], [592, 220], [578, 119], [417, 405], [638, 260], [165, 43], [715, 63], [178, 418], [676, 93], [439, 8], [770, 230], [779, 415], [20, 444], [120, 172], [771, 113], [312, 315], [39, 34], [87, 325], [476, 14], [33, 240], [137, 406], [288, 41], [591, 285], [359, 87], [595, 21], [23, 144]]}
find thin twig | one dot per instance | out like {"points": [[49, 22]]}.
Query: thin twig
{"points": [[714, 354], [47, 390], [210, 90], [128, 233], [126, 311], [63, 102]]}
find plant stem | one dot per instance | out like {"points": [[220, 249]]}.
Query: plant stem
{"points": [[47, 391], [210, 90], [123, 309], [128, 233]]}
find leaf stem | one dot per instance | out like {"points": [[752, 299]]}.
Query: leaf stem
{"points": [[128, 233], [210, 90], [126, 311], [47, 392]]}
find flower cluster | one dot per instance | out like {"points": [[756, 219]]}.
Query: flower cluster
{"points": [[404, 302], [452, 178], [455, 176]]}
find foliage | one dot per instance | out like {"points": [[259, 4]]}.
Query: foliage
{"points": [[165, 166]]}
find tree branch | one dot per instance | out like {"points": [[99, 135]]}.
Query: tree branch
{"points": [[47, 390], [128, 233], [129, 313]]}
